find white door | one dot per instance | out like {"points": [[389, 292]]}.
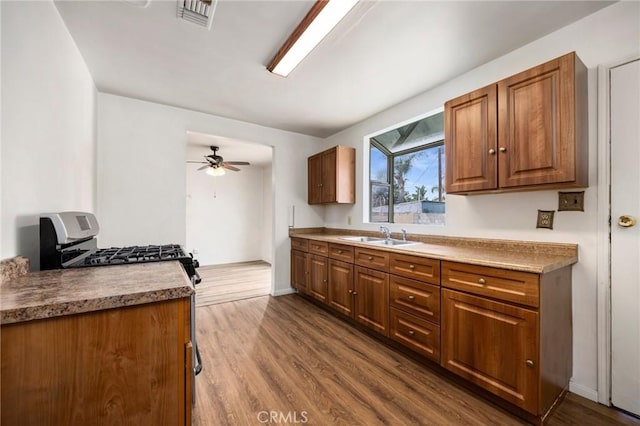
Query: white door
{"points": [[625, 236]]}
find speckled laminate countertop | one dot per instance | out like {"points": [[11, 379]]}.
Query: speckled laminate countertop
{"points": [[525, 256], [46, 294]]}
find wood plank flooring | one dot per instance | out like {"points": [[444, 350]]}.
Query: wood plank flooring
{"points": [[234, 281], [288, 356]]}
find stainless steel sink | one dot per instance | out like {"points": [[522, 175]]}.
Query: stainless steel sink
{"points": [[393, 242], [361, 239]]}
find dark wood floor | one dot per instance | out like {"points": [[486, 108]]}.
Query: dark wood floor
{"points": [[287, 356]]}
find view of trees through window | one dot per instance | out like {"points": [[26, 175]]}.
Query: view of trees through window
{"points": [[407, 173]]}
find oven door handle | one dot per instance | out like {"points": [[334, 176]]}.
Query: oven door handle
{"points": [[198, 367]]}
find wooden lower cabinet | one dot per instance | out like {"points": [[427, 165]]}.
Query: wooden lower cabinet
{"points": [[371, 299], [318, 277], [492, 344], [300, 271], [130, 365], [341, 286], [415, 333]]}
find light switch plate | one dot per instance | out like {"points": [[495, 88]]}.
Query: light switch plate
{"points": [[571, 201], [545, 219]]}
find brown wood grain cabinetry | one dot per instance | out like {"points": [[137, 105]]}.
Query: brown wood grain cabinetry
{"points": [[493, 345], [341, 252], [319, 247], [415, 333], [370, 258], [331, 176], [509, 332], [299, 244], [127, 365], [318, 277], [341, 286], [300, 271], [371, 299], [528, 131], [414, 298]]}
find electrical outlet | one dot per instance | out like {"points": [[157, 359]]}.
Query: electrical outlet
{"points": [[545, 219], [348, 220], [194, 251], [571, 201]]}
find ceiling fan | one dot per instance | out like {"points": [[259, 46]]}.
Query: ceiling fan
{"points": [[215, 164]]}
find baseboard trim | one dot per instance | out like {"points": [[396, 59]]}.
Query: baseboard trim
{"points": [[283, 292], [583, 391]]}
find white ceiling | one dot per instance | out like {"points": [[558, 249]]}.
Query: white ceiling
{"points": [[382, 53], [230, 149]]}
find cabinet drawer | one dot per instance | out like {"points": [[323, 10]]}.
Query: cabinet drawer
{"points": [[299, 244], [418, 268], [319, 247], [373, 259], [415, 333], [511, 286], [340, 252], [415, 297]]}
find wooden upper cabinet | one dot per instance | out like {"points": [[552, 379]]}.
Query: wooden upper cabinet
{"points": [[542, 125], [314, 165], [332, 176], [540, 118], [471, 138]]}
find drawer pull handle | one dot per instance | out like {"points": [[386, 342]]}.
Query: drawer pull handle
{"points": [[355, 292], [412, 298], [339, 251], [529, 363], [411, 332], [370, 257], [412, 267], [481, 281], [350, 291]]}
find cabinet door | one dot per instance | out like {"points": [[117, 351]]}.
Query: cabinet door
{"points": [[493, 345], [470, 135], [371, 298], [299, 271], [318, 282], [329, 174], [537, 125], [341, 286], [314, 167]]}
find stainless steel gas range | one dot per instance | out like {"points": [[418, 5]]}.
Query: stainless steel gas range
{"points": [[68, 240]]}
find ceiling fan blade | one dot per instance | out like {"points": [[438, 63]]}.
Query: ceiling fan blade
{"points": [[197, 162], [238, 163], [228, 167], [204, 167]]}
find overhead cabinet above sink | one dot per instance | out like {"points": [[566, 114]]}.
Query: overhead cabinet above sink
{"points": [[332, 176], [528, 131]]}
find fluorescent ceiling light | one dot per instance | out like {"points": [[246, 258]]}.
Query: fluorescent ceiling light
{"points": [[321, 19]]}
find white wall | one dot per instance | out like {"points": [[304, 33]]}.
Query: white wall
{"points": [[225, 213], [608, 35], [267, 214], [141, 177], [48, 124]]}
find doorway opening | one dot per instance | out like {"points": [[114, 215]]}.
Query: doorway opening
{"points": [[229, 216]]}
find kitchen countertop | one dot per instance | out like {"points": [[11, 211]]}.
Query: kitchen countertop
{"points": [[47, 294], [525, 256]]}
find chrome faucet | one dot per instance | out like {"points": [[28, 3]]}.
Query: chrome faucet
{"points": [[387, 233], [404, 234]]}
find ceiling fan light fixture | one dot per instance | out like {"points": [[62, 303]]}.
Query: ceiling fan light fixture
{"points": [[319, 21], [215, 171]]}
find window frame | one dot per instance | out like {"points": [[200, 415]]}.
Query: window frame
{"points": [[370, 141]]}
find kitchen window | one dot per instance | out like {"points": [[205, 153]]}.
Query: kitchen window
{"points": [[406, 173]]}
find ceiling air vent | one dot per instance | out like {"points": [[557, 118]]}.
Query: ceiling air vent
{"points": [[197, 11]]}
